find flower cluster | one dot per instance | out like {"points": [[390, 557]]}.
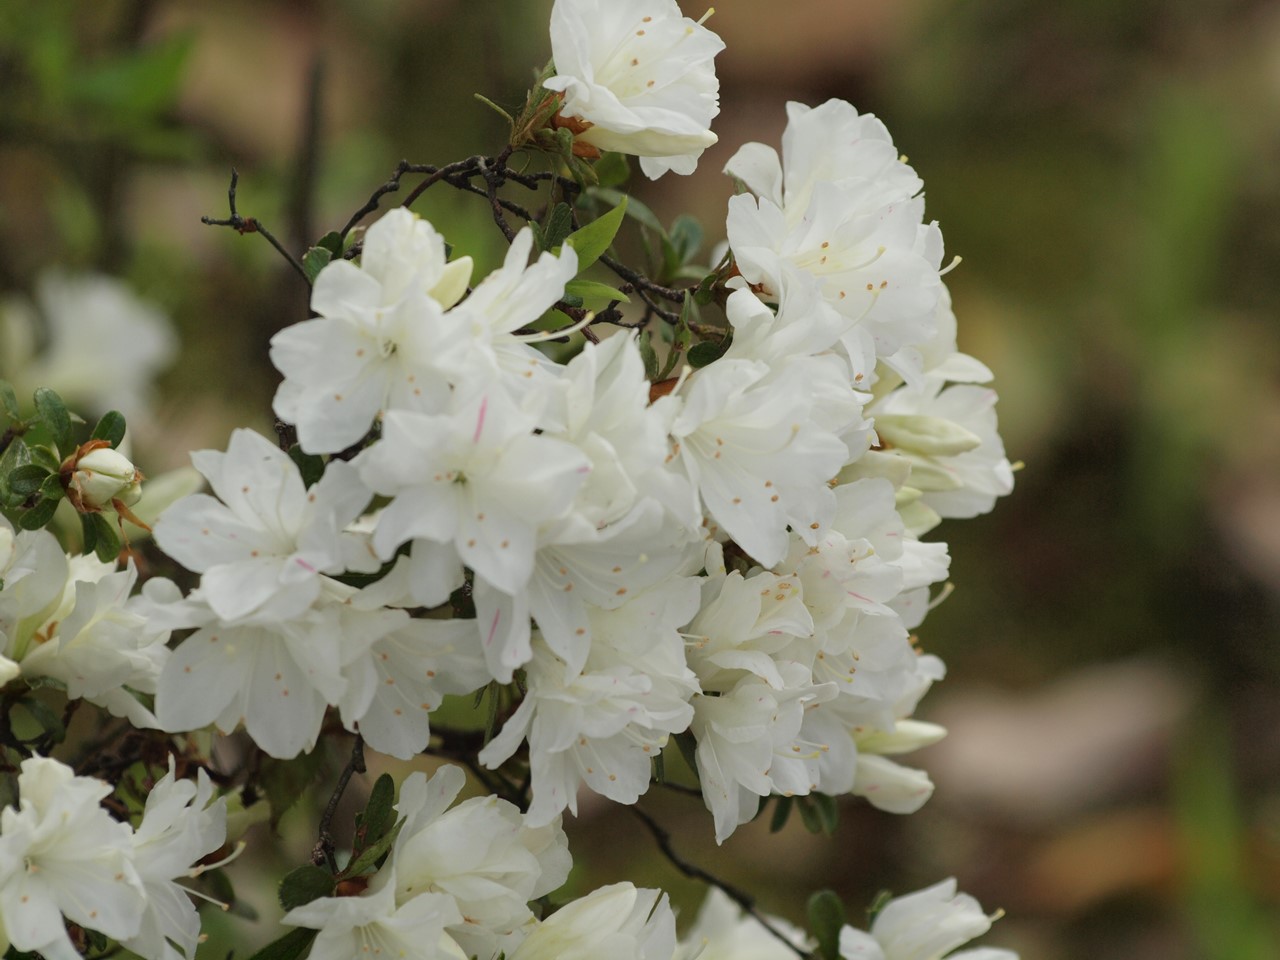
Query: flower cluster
{"points": [[62, 855], [725, 552]]}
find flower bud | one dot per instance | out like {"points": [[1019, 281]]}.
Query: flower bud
{"points": [[101, 477], [931, 436]]}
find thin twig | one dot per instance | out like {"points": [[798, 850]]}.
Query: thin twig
{"points": [[243, 225], [741, 898], [323, 850]]}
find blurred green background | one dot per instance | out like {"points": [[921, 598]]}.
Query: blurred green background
{"points": [[1109, 173]]}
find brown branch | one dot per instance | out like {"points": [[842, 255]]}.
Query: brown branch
{"points": [[243, 225], [323, 851], [692, 870]]}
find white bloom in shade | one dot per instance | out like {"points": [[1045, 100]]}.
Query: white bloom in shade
{"points": [[925, 925], [34, 573], [373, 346], [394, 685], [61, 854], [262, 549], [841, 206], [276, 677], [602, 724], [481, 852], [180, 826], [760, 461], [639, 76], [372, 925], [723, 932], [618, 921], [98, 643], [105, 344]]}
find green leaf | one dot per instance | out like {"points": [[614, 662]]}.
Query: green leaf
{"points": [[688, 747], [52, 489], [706, 290], [781, 813], [285, 781], [379, 813], [648, 355], [701, 354], [289, 947], [305, 884], [8, 400], [46, 717], [15, 455], [591, 290], [495, 108], [558, 226], [310, 466], [110, 428], [826, 917], [88, 532], [809, 815], [54, 414], [26, 480], [591, 241], [368, 858], [315, 260], [660, 767], [218, 885], [46, 457], [613, 169], [828, 811], [107, 542], [686, 237], [331, 241], [38, 516], [635, 209]]}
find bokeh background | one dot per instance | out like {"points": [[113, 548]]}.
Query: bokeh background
{"points": [[1110, 173]]}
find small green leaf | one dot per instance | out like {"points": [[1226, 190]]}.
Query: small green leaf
{"points": [[648, 355], [88, 532], [686, 238], [635, 209], [8, 400], [40, 683], [660, 767], [495, 108], [107, 543], [305, 884], [315, 260], [558, 226], [379, 813], [54, 414], [701, 354], [590, 242], [613, 169], [809, 815], [46, 717], [826, 917], [828, 811], [368, 858], [781, 813], [46, 457], [289, 947], [26, 480], [331, 241], [878, 903], [706, 290], [52, 489], [110, 428], [310, 466], [38, 516], [588, 290], [688, 747], [15, 455]]}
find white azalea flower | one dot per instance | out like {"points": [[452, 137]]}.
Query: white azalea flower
{"points": [[639, 77], [61, 854], [482, 853], [262, 549], [374, 343], [925, 925], [840, 206], [618, 921], [372, 925], [180, 825]]}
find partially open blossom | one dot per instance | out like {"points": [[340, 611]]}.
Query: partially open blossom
{"points": [[639, 78]]}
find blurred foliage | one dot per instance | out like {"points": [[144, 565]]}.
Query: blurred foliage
{"points": [[1107, 172]]}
